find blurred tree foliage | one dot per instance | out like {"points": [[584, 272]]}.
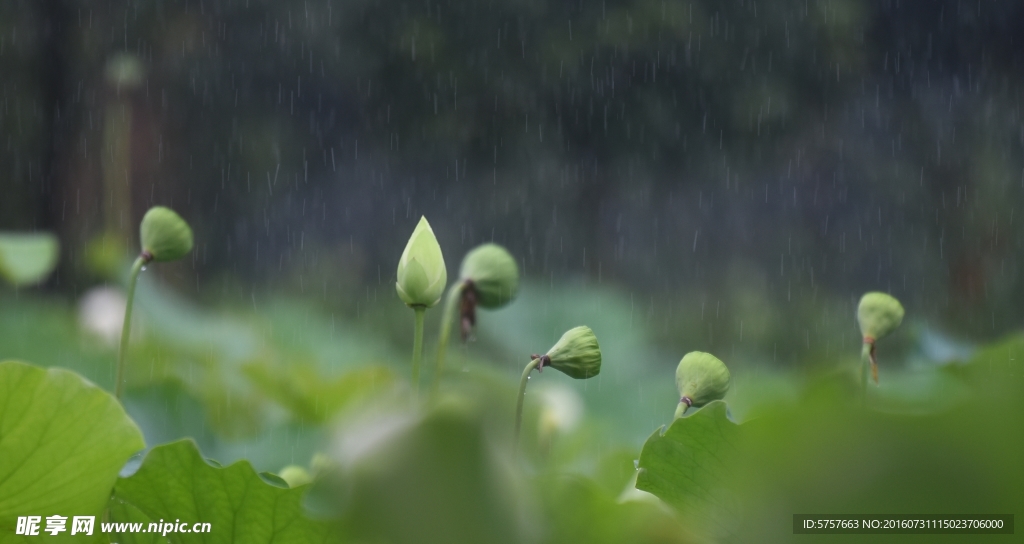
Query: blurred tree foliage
{"points": [[744, 159]]}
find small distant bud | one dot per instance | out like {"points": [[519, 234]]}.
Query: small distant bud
{"points": [[878, 314], [27, 258], [493, 273], [576, 354], [421, 272], [295, 475], [165, 235], [701, 378]]}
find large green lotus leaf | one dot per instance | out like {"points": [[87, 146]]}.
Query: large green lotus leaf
{"points": [[687, 467], [27, 258], [62, 442], [175, 482]]}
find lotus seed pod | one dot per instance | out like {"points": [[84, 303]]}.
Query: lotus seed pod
{"points": [[421, 273], [165, 235], [701, 378], [494, 274], [576, 354], [878, 315], [295, 475]]}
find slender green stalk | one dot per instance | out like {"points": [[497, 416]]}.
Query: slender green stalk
{"points": [[454, 296], [867, 363], [417, 346], [522, 395], [126, 329]]}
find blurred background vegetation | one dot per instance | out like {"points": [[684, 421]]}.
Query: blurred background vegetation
{"points": [[723, 176]]}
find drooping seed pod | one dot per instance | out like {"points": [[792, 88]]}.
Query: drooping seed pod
{"points": [[576, 354], [165, 235], [493, 274], [700, 378], [421, 272], [878, 314]]}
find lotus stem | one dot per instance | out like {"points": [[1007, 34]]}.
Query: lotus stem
{"points": [[454, 295], [522, 395], [417, 346], [126, 328]]}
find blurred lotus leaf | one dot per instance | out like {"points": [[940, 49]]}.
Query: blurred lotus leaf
{"points": [[27, 258], [45, 415], [829, 455], [580, 511], [312, 397], [424, 479]]}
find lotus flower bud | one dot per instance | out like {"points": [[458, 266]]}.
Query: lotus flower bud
{"points": [[576, 354], [878, 314], [701, 378], [295, 475], [493, 273], [27, 258], [165, 235], [421, 273]]}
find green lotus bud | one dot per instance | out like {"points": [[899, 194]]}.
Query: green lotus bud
{"points": [[701, 378], [421, 272], [878, 314], [27, 258], [165, 235], [493, 273], [295, 475], [576, 354]]}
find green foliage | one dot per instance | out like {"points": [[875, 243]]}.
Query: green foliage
{"points": [[27, 258], [62, 442], [312, 397], [935, 440], [688, 464], [431, 478], [175, 482], [580, 511]]}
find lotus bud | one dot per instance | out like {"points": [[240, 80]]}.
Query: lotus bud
{"points": [[421, 273], [493, 274], [295, 475], [701, 378], [576, 354], [165, 235], [27, 258], [878, 314]]}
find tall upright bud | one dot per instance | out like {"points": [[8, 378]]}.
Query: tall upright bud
{"points": [[421, 272]]}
